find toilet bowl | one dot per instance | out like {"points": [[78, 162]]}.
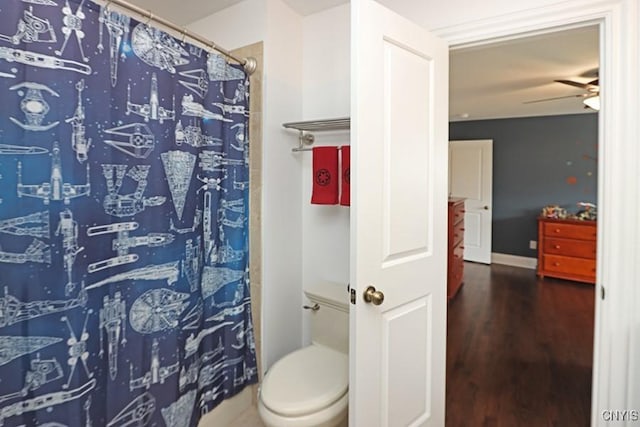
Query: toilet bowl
{"points": [[306, 388], [310, 386]]}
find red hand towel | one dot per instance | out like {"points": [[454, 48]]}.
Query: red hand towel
{"points": [[345, 196], [325, 176]]}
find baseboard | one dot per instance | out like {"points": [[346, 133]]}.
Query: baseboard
{"points": [[514, 260]]}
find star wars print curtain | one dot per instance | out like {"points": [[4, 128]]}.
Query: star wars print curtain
{"points": [[123, 221]]}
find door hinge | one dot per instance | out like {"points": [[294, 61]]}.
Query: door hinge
{"points": [[602, 292], [352, 293]]}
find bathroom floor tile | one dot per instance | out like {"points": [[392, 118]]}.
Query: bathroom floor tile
{"points": [[249, 418]]}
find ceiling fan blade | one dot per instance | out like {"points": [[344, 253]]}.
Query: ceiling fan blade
{"points": [[574, 84], [557, 97], [594, 72]]}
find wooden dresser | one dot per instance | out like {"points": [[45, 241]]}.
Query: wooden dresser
{"points": [[455, 263], [567, 249]]}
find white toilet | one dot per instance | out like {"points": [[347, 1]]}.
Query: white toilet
{"points": [[310, 387]]}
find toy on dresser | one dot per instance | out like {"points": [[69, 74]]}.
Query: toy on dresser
{"points": [[586, 211]]}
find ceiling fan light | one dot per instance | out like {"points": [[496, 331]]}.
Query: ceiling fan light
{"points": [[592, 102]]}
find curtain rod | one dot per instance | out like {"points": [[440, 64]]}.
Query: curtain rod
{"points": [[249, 64]]}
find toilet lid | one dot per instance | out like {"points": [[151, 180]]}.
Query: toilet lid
{"points": [[306, 381]]}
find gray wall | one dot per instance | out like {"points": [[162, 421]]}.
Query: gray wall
{"points": [[537, 161]]}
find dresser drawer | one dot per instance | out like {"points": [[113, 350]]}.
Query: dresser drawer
{"points": [[454, 281], [569, 265], [457, 267], [457, 258], [568, 247], [457, 233], [571, 231], [456, 213], [457, 250], [455, 275]]}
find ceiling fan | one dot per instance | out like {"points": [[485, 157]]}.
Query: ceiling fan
{"points": [[591, 98]]}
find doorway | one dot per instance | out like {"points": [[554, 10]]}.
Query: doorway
{"points": [[565, 176]]}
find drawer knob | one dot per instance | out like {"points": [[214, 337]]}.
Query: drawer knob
{"points": [[556, 264], [557, 230], [557, 246]]}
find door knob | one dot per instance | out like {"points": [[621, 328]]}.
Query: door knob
{"points": [[373, 296], [486, 208]]}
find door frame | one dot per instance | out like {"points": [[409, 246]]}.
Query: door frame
{"points": [[616, 358]]}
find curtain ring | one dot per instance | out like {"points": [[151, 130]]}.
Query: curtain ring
{"points": [[184, 34], [149, 17], [212, 46], [107, 7]]}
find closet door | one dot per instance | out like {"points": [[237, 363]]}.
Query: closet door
{"points": [[399, 136], [471, 177]]}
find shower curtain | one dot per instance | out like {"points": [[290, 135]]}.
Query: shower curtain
{"points": [[124, 285]]}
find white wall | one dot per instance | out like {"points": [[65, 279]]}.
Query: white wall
{"points": [[281, 213], [326, 95], [326, 64]]}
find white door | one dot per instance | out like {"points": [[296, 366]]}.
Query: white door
{"points": [[399, 130], [471, 177]]}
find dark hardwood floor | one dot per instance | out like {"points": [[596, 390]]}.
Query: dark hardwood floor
{"points": [[519, 350]]}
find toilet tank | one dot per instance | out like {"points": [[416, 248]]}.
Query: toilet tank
{"points": [[330, 323]]}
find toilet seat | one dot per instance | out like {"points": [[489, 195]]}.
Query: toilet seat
{"points": [[306, 381]]}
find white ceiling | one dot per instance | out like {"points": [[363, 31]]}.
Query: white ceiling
{"points": [[184, 12], [495, 80], [491, 81]]}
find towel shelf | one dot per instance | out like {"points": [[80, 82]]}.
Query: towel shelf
{"points": [[304, 127], [320, 125]]}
